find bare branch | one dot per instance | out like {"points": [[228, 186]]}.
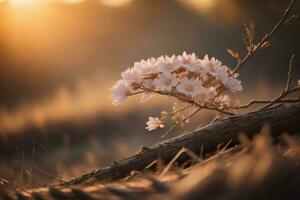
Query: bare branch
{"points": [[289, 79], [288, 90], [218, 110], [180, 109], [253, 102], [267, 37], [279, 99]]}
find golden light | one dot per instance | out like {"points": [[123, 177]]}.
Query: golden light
{"points": [[213, 9], [200, 5], [68, 1], [21, 3], [115, 3]]}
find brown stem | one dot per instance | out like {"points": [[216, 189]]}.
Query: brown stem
{"points": [[266, 38], [253, 102], [288, 90]]}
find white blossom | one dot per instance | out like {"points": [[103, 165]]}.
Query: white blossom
{"points": [[166, 81], [190, 87], [221, 73], [185, 75], [168, 64], [211, 65], [232, 84], [153, 123], [190, 62], [146, 67], [207, 95], [120, 91], [131, 75]]}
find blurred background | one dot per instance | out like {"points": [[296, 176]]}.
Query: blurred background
{"points": [[58, 59]]}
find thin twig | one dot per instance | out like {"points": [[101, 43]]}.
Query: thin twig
{"points": [[216, 118], [259, 46], [181, 121], [51, 176], [253, 102], [288, 90], [180, 109], [279, 99], [139, 92], [218, 110], [266, 38], [289, 79]]}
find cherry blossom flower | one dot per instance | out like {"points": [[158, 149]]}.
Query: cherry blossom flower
{"points": [[207, 95], [232, 84], [153, 123], [211, 65], [168, 64], [131, 75], [166, 81], [120, 91], [146, 67], [191, 87], [190, 62], [221, 73]]}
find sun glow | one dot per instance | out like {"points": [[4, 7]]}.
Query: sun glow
{"points": [[115, 3], [214, 9], [69, 1], [201, 5], [20, 3]]}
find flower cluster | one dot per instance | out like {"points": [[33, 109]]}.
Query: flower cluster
{"points": [[185, 77], [154, 123]]}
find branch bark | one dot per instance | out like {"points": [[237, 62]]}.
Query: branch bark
{"points": [[281, 118]]}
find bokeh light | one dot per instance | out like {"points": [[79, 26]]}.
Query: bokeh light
{"points": [[22, 3], [201, 5], [115, 3]]}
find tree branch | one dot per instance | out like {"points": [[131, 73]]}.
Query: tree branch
{"points": [[281, 118], [253, 102]]}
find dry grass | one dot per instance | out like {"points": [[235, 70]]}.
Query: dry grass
{"points": [[260, 169]]}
